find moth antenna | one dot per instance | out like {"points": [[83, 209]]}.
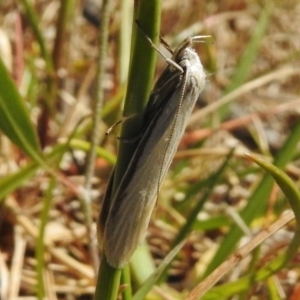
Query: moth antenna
{"points": [[168, 60], [199, 38], [165, 44]]}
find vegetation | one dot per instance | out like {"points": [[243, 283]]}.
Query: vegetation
{"points": [[226, 223]]}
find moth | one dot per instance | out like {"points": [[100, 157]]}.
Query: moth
{"points": [[165, 117]]}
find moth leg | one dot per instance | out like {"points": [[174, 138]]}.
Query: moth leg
{"points": [[112, 127], [168, 60], [165, 44]]}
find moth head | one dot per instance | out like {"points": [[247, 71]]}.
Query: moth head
{"points": [[185, 52]]}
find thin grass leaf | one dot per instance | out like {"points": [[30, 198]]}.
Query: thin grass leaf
{"points": [[257, 203], [228, 289], [205, 286], [44, 217], [292, 194], [288, 187], [273, 289], [211, 224], [211, 183], [142, 67], [140, 275], [11, 182], [40, 245], [245, 283], [246, 62], [150, 282], [291, 191], [101, 152], [34, 21], [14, 117]]}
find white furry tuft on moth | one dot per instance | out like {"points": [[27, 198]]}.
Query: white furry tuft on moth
{"points": [[165, 117]]}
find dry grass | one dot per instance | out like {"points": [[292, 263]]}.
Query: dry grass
{"points": [[267, 107]]}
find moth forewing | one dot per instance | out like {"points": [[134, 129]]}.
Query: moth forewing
{"points": [[170, 106]]}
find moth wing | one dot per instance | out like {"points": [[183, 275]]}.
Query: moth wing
{"points": [[135, 198], [129, 217]]}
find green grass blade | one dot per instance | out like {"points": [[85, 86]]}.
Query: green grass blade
{"points": [[14, 117], [11, 182], [246, 62], [257, 203], [101, 152], [40, 245], [207, 189], [211, 224], [286, 184], [142, 67], [149, 283], [210, 184], [140, 275], [107, 285], [250, 53], [33, 19], [292, 194]]}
